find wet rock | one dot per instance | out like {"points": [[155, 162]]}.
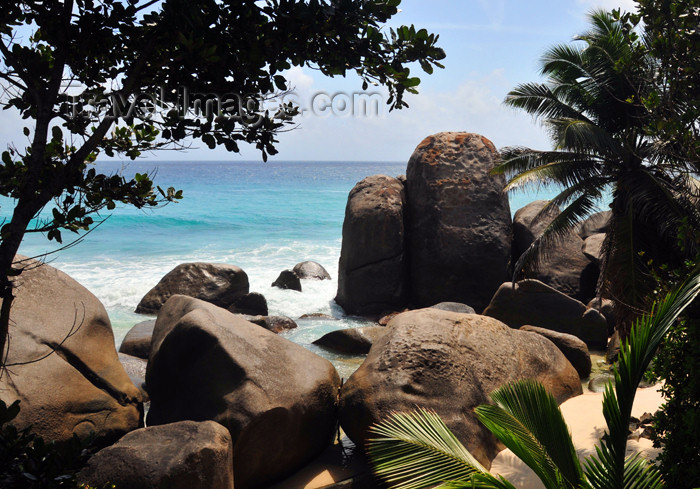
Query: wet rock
{"points": [[276, 324], [212, 282], [253, 304], [287, 280], [351, 341], [311, 270]]}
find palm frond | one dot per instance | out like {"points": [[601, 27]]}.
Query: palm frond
{"points": [[608, 468], [583, 136], [416, 450], [580, 200], [540, 101], [525, 167], [527, 419]]}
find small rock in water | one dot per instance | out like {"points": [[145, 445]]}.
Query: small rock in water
{"points": [[597, 384], [316, 315], [253, 304], [217, 283], [287, 280], [311, 270], [276, 324], [353, 341]]}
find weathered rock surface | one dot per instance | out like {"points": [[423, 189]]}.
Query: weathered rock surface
{"points": [[598, 383], [449, 362], [528, 225], [597, 223], [276, 398], [607, 308], [372, 270], [353, 341], [574, 349], [135, 368], [592, 247], [564, 267], [184, 455], [459, 227], [79, 388], [287, 280], [252, 304], [454, 307], [311, 270], [276, 324], [137, 341], [533, 303], [212, 282]]}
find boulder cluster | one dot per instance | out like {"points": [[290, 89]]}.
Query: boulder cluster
{"points": [[232, 403]]}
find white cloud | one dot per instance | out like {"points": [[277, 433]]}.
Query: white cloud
{"points": [[473, 106], [298, 79]]}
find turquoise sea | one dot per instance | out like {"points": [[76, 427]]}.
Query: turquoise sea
{"points": [[263, 217]]}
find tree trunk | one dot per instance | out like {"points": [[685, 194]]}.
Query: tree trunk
{"points": [[12, 235]]}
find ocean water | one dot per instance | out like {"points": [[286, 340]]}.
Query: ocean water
{"points": [[263, 217]]}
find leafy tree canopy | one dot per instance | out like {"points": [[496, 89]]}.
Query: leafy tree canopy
{"points": [[115, 77]]}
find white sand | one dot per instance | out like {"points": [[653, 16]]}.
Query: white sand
{"points": [[584, 416]]}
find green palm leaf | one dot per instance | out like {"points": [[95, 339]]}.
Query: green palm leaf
{"points": [[609, 468], [527, 419], [417, 450]]}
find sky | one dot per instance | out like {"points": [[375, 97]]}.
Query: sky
{"points": [[491, 46]]}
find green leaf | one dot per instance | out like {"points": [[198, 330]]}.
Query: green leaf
{"points": [[416, 450]]}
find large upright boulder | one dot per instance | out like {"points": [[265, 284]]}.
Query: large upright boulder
{"points": [[62, 361], [449, 362], [276, 398], [564, 266], [533, 303], [458, 221], [217, 283], [372, 269], [184, 455]]}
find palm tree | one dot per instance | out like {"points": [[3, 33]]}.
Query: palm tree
{"points": [[416, 450], [593, 104]]}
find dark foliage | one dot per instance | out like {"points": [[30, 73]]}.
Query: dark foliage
{"points": [[29, 462]]}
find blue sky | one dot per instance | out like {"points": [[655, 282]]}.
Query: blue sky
{"points": [[491, 46]]}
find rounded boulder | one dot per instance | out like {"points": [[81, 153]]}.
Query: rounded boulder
{"points": [[311, 270], [276, 398], [217, 283], [184, 455], [62, 362], [449, 362]]}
